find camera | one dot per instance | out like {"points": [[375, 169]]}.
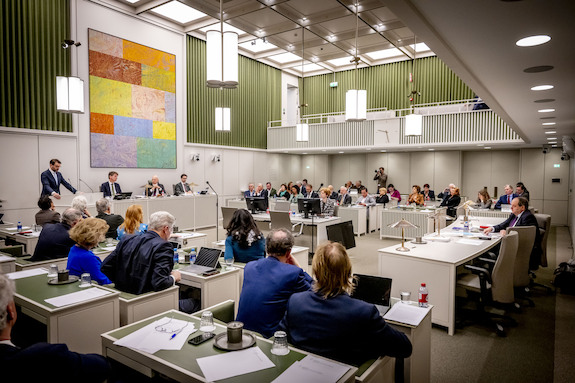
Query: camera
{"points": [[565, 156], [376, 170], [545, 149]]}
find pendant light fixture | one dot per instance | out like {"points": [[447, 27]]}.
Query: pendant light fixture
{"points": [[302, 129], [413, 122], [222, 57], [69, 90], [356, 100]]}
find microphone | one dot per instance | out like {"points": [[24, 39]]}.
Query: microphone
{"points": [[320, 186], [81, 180]]}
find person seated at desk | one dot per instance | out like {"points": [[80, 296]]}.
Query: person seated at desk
{"points": [[521, 191], [52, 179], [111, 188], [358, 186], [365, 199], [332, 193], [268, 284], [428, 195], [182, 187], [113, 220], [261, 192], [506, 198], [394, 195], [343, 198], [415, 197], [54, 241], [348, 185], [295, 194], [80, 203], [87, 234], [443, 195], [451, 201], [483, 199], [244, 242], [309, 191], [47, 213], [382, 197], [250, 192], [283, 193], [327, 205], [42, 362], [272, 193], [155, 188], [328, 322], [134, 222]]}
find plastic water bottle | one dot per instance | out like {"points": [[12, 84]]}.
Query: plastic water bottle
{"points": [[176, 256], [423, 295], [193, 255], [19, 226], [466, 224]]}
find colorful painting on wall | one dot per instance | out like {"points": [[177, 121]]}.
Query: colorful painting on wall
{"points": [[132, 104]]}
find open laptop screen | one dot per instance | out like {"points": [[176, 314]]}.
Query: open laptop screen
{"points": [[373, 289]]}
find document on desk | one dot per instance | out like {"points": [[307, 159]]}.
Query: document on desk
{"points": [[158, 335], [26, 273], [405, 313], [15, 228], [312, 369], [469, 241], [77, 297], [234, 363]]}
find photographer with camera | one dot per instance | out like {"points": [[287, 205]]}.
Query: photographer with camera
{"points": [[380, 178]]}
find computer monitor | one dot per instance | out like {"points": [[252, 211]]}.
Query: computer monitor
{"points": [[255, 204], [308, 205], [343, 233], [126, 195]]}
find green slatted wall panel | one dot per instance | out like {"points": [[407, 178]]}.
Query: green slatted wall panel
{"points": [[256, 101], [31, 32], [387, 86]]}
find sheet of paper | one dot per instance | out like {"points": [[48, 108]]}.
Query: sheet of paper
{"points": [[313, 370], [234, 363], [15, 228], [468, 241], [6, 258], [406, 313], [158, 336], [77, 297], [26, 273]]}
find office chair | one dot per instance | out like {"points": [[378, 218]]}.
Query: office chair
{"points": [[174, 189], [521, 279], [227, 214], [282, 206], [494, 288], [281, 219], [544, 223]]}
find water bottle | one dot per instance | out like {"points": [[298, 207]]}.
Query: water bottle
{"points": [[423, 295], [19, 227], [466, 224], [176, 256], [193, 255]]}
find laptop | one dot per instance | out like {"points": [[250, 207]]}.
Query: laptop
{"points": [[126, 195], [206, 261], [375, 290], [505, 208]]}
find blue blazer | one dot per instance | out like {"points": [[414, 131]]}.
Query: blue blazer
{"points": [[49, 184], [503, 200], [268, 284], [245, 254], [54, 242], [341, 328], [105, 188], [82, 261]]}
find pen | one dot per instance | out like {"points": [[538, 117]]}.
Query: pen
{"points": [[173, 336]]}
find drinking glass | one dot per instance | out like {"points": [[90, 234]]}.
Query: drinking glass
{"points": [[207, 322], [85, 280], [53, 271], [280, 345], [405, 296], [229, 262]]}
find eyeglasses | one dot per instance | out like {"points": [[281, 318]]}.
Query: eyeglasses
{"points": [[168, 327]]}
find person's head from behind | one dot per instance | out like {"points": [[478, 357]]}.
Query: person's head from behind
{"points": [[55, 164], [279, 243], [332, 269], [103, 206], [71, 216], [324, 193], [7, 306], [134, 217], [45, 203], [162, 223], [382, 191], [80, 203], [241, 224], [113, 176], [89, 232]]}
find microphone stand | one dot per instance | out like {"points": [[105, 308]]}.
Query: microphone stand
{"points": [[91, 190], [217, 211]]}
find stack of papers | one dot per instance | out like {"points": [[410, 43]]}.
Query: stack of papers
{"points": [[77, 297], [235, 363], [469, 241], [149, 339], [26, 273], [406, 313], [312, 369]]}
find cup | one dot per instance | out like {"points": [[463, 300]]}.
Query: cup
{"points": [[417, 239], [109, 241], [235, 332], [280, 345], [63, 275], [187, 257], [229, 262], [405, 296], [85, 280], [207, 322], [53, 271]]}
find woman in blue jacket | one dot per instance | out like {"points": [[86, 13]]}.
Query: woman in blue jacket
{"points": [[245, 242]]}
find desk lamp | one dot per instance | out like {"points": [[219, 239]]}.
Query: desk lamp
{"points": [[191, 185], [436, 216], [403, 224]]}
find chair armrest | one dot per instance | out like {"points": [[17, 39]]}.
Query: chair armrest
{"points": [[480, 271], [300, 229], [489, 260]]}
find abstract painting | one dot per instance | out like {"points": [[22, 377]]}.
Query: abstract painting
{"points": [[132, 104]]}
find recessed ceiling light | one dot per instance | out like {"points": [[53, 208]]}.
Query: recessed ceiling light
{"points": [[132, 1], [542, 87], [532, 41], [341, 152], [487, 147], [179, 12], [553, 146], [551, 138], [431, 150], [480, 144], [550, 132], [546, 110], [548, 123], [538, 69]]}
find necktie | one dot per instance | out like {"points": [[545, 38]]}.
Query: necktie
{"points": [[509, 199], [56, 178], [513, 221], [113, 190]]}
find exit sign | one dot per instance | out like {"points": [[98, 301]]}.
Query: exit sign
{"points": [[556, 165]]}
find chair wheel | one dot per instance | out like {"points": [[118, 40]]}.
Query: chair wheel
{"points": [[500, 331]]}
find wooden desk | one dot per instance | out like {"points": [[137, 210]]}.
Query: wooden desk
{"points": [[78, 325], [181, 365], [435, 264], [418, 217], [137, 307], [28, 240], [7, 264], [191, 239], [357, 215], [25, 264]]}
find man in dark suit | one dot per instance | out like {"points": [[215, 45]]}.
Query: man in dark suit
{"points": [[156, 189], [111, 188], [343, 198], [41, 362], [182, 187], [143, 263], [268, 284], [332, 193], [52, 179], [506, 198], [309, 192], [54, 241], [261, 192], [250, 192], [113, 220]]}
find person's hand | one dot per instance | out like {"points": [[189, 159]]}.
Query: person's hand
{"points": [[292, 261], [487, 230], [87, 213], [503, 232], [177, 275], [56, 195]]}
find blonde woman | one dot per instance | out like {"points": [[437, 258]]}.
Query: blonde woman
{"points": [[134, 222], [87, 234]]}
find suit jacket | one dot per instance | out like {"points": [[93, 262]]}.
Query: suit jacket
{"points": [[503, 200], [162, 191], [141, 263], [451, 202], [526, 219], [47, 216], [313, 194], [247, 193], [431, 195], [346, 199], [268, 284], [105, 188], [334, 195], [54, 242], [44, 362], [369, 200], [49, 184], [181, 189], [113, 220], [382, 199], [328, 207], [341, 328], [82, 261], [256, 251]]}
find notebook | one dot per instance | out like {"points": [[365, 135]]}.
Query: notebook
{"points": [[375, 290], [206, 261]]}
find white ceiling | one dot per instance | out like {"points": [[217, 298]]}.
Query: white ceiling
{"points": [[476, 39]]}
